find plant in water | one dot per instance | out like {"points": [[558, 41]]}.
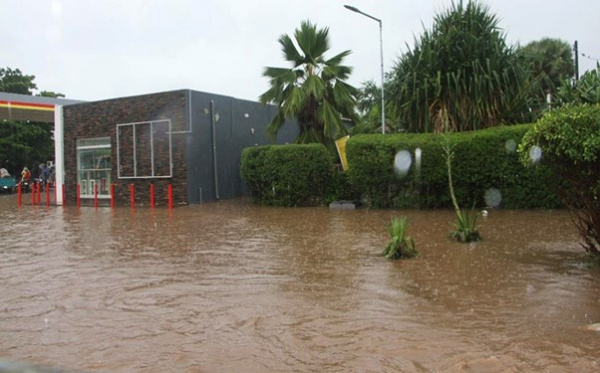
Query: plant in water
{"points": [[401, 245], [466, 221]]}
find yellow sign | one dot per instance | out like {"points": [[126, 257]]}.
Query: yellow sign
{"points": [[340, 144]]}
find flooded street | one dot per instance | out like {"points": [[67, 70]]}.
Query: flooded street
{"points": [[233, 287]]}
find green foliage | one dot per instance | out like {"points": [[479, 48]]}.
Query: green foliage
{"points": [[369, 108], [483, 159], [466, 222], [462, 67], [466, 226], [287, 175], [400, 245], [23, 143], [584, 91], [313, 91], [550, 62], [338, 187], [569, 142], [13, 81]]}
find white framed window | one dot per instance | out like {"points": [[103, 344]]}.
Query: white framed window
{"points": [[94, 166], [144, 150]]}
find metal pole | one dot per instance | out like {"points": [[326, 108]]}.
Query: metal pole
{"points": [[382, 94], [356, 10]]}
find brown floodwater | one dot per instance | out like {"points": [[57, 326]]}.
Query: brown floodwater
{"points": [[233, 287]]}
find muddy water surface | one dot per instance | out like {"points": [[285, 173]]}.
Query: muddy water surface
{"points": [[232, 287]]}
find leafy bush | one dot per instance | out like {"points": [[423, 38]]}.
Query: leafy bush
{"points": [[567, 142], [484, 160], [401, 245], [286, 175]]}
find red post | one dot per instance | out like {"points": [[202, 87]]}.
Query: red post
{"points": [[152, 195], [170, 195], [47, 195], [78, 195], [64, 195], [32, 186], [19, 195], [112, 195], [132, 192], [39, 193], [96, 195]]}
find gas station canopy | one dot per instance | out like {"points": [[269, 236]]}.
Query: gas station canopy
{"points": [[31, 108]]}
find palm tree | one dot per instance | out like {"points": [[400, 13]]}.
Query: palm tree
{"points": [[313, 90], [550, 61]]}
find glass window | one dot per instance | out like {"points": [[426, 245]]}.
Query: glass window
{"points": [[94, 167]]}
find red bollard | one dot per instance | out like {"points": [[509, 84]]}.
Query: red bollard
{"points": [[39, 193], [19, 195], [47, 196], [112, 195], [132, 192], [64, 196], [78, 195], [32, 193], [170, 195], [96, 195], [152, 195]]}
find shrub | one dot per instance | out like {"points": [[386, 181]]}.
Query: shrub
{"points": [[567, 142], [484, 159], [286, 175], [401, 245]]}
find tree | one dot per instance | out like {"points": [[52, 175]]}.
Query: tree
{"points": [[13, 81], [313, 90], [550, 61], [461, 68], [368, 104], [23, 143], [567, 141]]}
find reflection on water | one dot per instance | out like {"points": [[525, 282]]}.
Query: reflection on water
{"points": [[232, 287]]}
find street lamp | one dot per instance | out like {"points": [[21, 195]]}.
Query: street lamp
{"points": [[356, 10]]}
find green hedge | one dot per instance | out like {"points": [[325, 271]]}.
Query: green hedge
{"points": [[287, 175], [483, 160]]}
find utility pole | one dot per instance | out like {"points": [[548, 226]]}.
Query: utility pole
{"points": [[576, 52]]}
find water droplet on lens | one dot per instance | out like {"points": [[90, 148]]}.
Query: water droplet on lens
{"points": [[535, 154], [402, 162], [493, 197], [510, 146]]}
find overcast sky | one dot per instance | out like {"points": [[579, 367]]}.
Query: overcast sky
{"points": [[93, 50]]}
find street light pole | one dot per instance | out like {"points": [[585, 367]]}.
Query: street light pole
{"points": [[356, 10]]}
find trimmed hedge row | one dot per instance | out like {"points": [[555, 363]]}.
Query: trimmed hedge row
{"points": [[484, 160], [287, 175]]}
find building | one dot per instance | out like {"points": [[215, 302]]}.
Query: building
{"points": [[189, 139]]}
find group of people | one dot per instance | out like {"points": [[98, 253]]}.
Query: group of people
{"points": [[45, 175]]}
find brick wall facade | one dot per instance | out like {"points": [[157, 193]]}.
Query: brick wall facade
{"points": [[100, 119]]}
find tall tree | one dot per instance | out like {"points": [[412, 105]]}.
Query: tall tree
{"points": [[13, 81], [368, 104], [550, 61], [463, 70], [313, 91]]}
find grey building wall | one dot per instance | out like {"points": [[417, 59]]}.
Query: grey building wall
{"points": [[237, 124]]}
